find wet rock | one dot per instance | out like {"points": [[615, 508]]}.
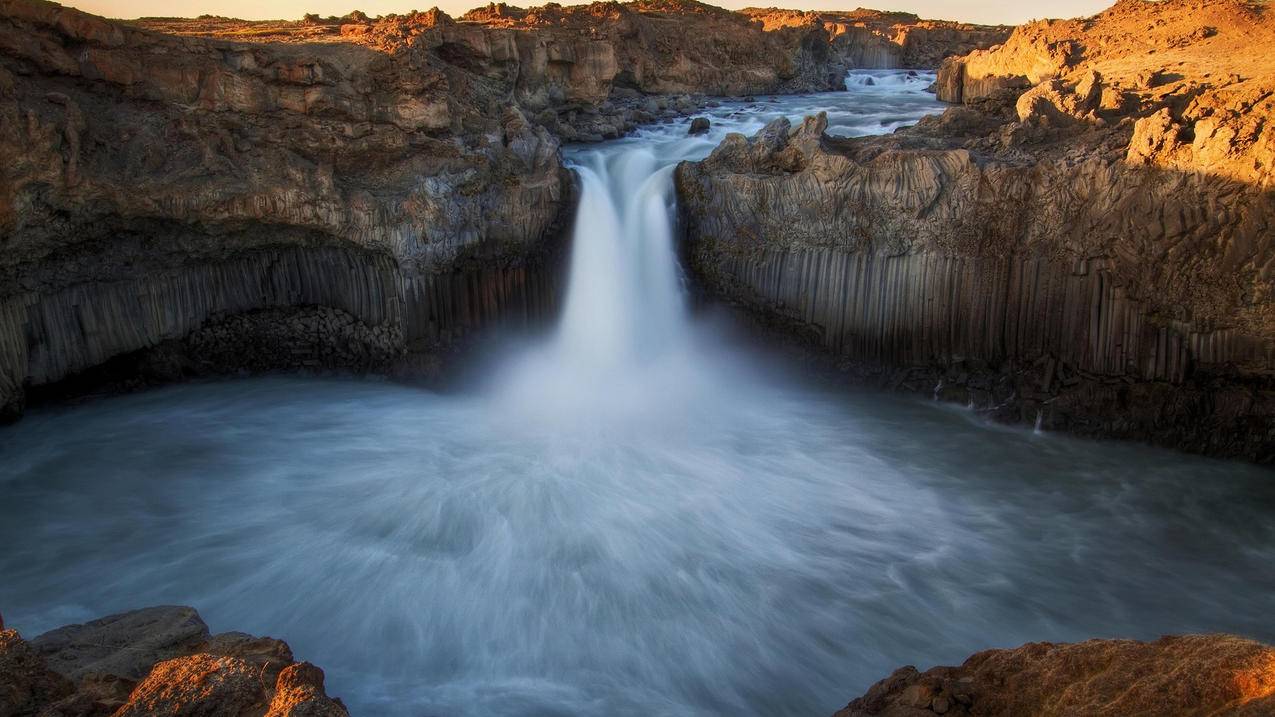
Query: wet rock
{"points": [[699, 125]]}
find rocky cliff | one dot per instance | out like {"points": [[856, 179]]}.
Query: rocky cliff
{"points": [[187, 196], [161, 186], [872, 39], [157, 662], [1190, 675], [583, 72], [1089, 254], [595, 71]]}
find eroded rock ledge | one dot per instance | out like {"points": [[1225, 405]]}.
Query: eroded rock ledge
{"points": [[158, 662], [1092, 253], [1218, 675]]}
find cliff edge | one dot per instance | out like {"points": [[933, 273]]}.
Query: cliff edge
{"points": [[1085, 245]]}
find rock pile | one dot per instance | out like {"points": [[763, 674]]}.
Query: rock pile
{"points": [[158, 662]]}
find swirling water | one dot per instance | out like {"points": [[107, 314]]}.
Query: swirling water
{"points": [[636, 515]]}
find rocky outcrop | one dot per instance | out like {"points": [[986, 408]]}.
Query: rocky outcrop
{"points": [[872, 39], [1195, 77], [583, 72], [352, 205], [1189, 675], [1026, 254], [595, 71], [158, 662]]}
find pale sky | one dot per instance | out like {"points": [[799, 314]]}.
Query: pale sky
{"points": [[984, 11]]}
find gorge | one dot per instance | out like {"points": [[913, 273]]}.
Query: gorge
{"points": [[622, 500]]}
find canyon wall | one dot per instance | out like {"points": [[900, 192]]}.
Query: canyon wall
{"points": [[1082, 254], [160, 186], [873, 39], [187, 196]]}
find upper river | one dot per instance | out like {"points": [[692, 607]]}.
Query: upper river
{"points": [[637, 514]]}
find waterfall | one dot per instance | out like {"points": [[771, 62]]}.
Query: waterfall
{"points": [[619, 350], [624, 301]]}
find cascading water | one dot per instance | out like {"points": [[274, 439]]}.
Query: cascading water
{"points": [[637, 516], [624, 298]]}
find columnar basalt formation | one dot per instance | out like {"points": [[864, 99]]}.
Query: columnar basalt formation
{"points": [[158, 662], [1088, 255], [160, 186], [1188, 675]]}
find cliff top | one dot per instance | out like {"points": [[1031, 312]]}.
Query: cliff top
{"points": [[359, 28], [882, 21], [1189, 40], [1189, 84]]}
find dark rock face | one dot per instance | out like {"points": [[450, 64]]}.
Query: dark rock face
{"points": [[699, 125], [1044, 255], [156, 662], [1193, 674], [253, 206]]}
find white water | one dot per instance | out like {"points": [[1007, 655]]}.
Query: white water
{"points": [[637, 516]]}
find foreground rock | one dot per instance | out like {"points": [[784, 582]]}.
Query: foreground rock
{"points": [[1191, 675], [159, 661], [1084, 254]]}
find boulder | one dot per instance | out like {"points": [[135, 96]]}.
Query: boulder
{"points": [[1193, 674], [156, 662], [198, 685], [126, 645]]}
